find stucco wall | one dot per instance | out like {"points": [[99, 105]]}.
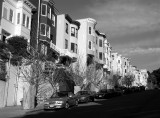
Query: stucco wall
{"points": [[2, 92]]}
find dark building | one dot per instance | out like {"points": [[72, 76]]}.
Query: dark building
{"points": [[43, 28]]}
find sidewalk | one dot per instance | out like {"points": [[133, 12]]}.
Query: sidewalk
{"points": [[17, 111]]}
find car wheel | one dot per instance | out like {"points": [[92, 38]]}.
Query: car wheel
{"points": [[92, 99], [66, 105], [76, 103]]}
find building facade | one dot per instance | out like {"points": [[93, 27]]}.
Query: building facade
{"points": [[15, 20], [67, 38]]}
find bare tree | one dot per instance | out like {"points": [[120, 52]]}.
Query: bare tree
{"points": [[128, 80]]}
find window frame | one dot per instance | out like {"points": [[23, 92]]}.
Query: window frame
{"points": [[100, 55], [90, 30], [24, 20], [66, 44], [53, 19], [90, 45], [5, 14], [72, 47], [45, 10], [100, 43], [41, 30], [48, 33], [18, 18], [73, 33], [49, 15], [28, 22], [66, 28], [11, 17]]}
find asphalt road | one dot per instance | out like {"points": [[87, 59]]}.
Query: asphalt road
{"points": [[137, 105]]}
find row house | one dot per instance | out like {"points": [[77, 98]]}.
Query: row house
{"points": [[117, 64], [125, 66], [107, 53], [15, 19], [43, 28], [67, 39], [86, 42], [143, 77]]}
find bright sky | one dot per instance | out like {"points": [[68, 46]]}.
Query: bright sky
{"points": [[132, 26]]}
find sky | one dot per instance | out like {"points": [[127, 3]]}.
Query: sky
{"points": [[132, 26]]}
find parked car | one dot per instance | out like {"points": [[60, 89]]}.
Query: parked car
{"points": [[119, 91], [101, 94], [85, 96], [61, 100]]}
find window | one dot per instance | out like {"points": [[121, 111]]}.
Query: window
{"points": [[18, 18], [66, 28], [49, 12], [53, 19], [76, 33], [96, 40], [72, 47], [90, 30], [43, 49], [11, 15], [100, 43], [96, 53], [24, 19], [44, 10], [66, 44], [76, 47], [90, 45], [48, 31], [119, 61], [27, 22], [5, 13], [43, 29], [72, 31], [100, 55], [125, 63]]}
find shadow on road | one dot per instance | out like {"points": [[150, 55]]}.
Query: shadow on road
{"points": [[138, 105]]}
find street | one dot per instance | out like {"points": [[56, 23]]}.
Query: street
{"points": [[137, 105]]}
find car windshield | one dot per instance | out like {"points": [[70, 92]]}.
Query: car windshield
{"points": [[103, 91], [59, 94]]}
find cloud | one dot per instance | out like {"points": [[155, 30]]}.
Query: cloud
{"points": [[137, 51]]}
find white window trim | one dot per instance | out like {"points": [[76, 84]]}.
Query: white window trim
{"points": [[46, 10], [45, 29]]}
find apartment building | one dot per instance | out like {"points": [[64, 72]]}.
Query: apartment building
{"points": [[67, 39], [15, 19]]}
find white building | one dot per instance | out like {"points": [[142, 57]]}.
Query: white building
{"points": [[16, 20], [86, 42]]}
